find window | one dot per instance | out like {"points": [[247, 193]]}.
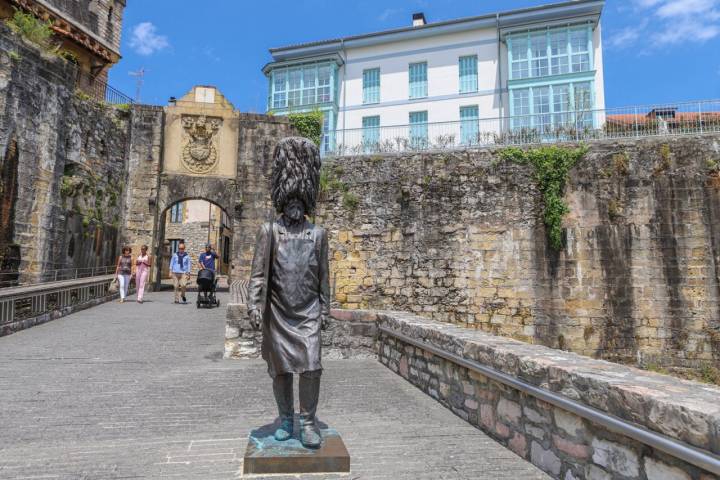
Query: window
{"points": [[519, 53], [541, 108], [579, 48], [323, 84], [555, 51], [176, 213], [174, 244], [418, 130], [559, 52], [539, 55], [469, 125], [370, 133], [279, 99], [302, 86], [521, 108], [418, 80], [468, 74], [309, 85], [226, 250], [545, 108], [294, 87], [371, 85]]}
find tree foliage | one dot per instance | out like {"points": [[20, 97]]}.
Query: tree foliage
{"points": [[308, 124]]}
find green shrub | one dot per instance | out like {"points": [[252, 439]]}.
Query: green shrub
{"points": [[551, 165], [31, 28], [308, 124], [350, 201]]}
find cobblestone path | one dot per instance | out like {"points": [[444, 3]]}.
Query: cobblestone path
{"points": [[141, 391]]}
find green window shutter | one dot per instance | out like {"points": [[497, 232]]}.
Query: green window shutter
{"points": [[371, 85], [370, 133], [418, 80], [419, 130], [468, 67], [469, 125]]}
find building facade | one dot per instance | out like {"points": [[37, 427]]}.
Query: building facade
{"points": [[87, 31], [536, 69]]}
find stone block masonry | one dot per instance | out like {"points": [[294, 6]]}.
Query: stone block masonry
{"points": [[459, 237], [560, 442], [70, 164]]}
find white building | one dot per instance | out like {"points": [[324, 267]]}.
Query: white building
{"points": [[466, 81]]}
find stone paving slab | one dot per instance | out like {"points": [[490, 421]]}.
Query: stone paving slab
{"points": [[126, 391]]}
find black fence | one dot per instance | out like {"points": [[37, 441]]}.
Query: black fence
{"points": [[98, 89]]}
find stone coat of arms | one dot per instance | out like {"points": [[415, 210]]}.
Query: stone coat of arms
{"points": [[199, 155]]}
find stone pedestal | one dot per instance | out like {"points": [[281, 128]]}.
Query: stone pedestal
{"points": [[265, 455]]}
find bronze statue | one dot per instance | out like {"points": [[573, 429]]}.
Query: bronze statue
{"points": [[289, 291]]}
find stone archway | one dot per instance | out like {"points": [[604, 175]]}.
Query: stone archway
{"points": [[200, 147], [218, 226]]}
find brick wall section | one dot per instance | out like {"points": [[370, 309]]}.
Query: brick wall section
{"points": [[564, 445], [459, 237]]}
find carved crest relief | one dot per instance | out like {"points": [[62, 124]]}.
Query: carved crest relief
{"points": [[199, 153]]}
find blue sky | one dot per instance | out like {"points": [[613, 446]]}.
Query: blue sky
{"points": [[655, 50]]}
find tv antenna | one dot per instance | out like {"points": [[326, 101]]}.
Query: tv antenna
{"points": [[140, 76]]}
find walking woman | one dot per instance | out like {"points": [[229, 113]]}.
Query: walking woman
{"points": [[143, 262], [124, 271]]}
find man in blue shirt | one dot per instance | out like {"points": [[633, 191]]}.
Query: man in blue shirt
{"points": [[207, 258], [180, 272]]}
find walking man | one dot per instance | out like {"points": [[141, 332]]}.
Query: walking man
{"points": [[289, 291], [180, 272], [207, 258]]}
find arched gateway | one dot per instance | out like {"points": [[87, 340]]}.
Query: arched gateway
{"points": [[200, 147]]}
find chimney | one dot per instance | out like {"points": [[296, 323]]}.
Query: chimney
{"points": [[419, 19]]}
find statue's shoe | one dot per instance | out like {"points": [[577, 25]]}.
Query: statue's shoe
{"points": [[284, 431], [310, 437]]}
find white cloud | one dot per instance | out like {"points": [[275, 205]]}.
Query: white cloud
{"points": [[146, 41], [674, 22], [387, 13]]}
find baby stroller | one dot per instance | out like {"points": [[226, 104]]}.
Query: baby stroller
{"points": [[207, 284]]}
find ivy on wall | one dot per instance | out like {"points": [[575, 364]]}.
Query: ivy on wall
{"points": [[551, 165], [308, 124]]}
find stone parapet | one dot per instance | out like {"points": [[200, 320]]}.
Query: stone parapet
{"points": [[564, 444], [350, 334]]}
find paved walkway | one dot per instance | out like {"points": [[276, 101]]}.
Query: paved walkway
{"points": [[141, 391]]}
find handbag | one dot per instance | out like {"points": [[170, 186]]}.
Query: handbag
{"points": [[114, 286]]}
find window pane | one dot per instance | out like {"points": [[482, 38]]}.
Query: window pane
{"points": [[561, 104], [541, 107], [521, 108], [579, 41], [519, 47], [559, 65], [294, 78], [538, 46], [581, 63], [520, 69], [558, 43], [469, 125], [279, 100], [279, 80]]}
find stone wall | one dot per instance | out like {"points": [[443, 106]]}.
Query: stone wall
{"points": [[258, 136], [458, 236], [69, 165], [563, 444]]}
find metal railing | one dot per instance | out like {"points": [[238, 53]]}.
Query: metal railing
{"points": [[11, 279], [551, 127], [97, 89], [24, 307]]}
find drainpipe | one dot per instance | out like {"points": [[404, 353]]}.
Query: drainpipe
{"points": [[344, 87], [500, 78]]}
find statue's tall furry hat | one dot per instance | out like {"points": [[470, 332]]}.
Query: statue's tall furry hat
{"points": [[296, 173]]}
